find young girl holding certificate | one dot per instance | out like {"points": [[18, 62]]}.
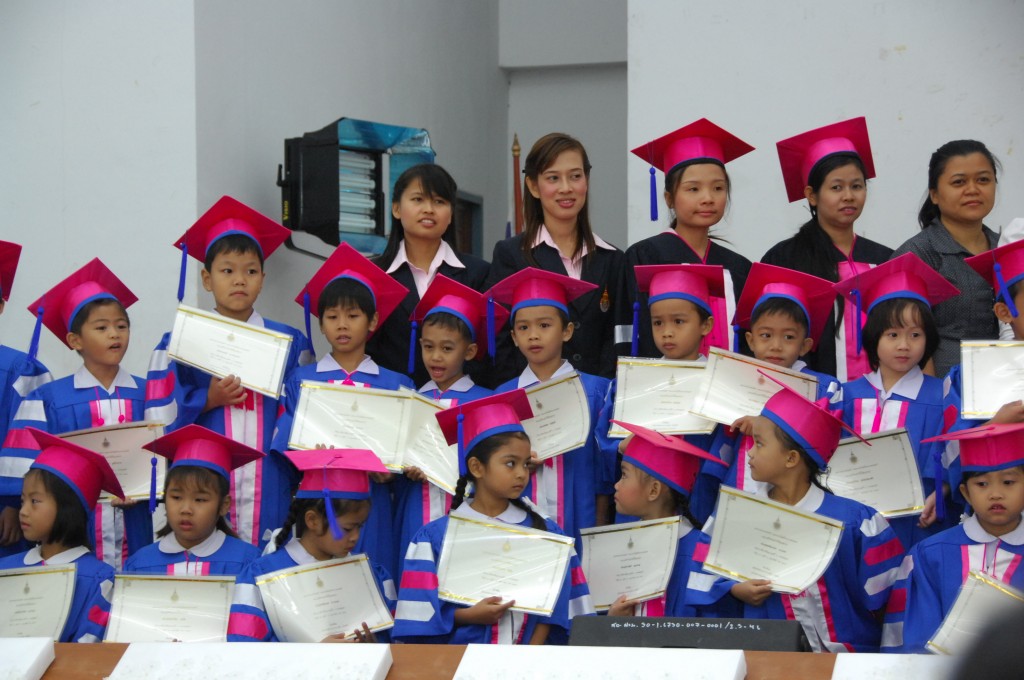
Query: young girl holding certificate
{"points": [[60, 491], [794, 439], [324, 521], [566, 487], [899, 338], [197, 539], [87, 311], [990, 540], [353, 297], [494, 456], [658, 474]]}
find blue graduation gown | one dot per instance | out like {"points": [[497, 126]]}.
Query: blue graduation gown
{"points": [[219, 554]]}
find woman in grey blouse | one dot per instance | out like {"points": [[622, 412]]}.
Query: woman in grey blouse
{"points": [[961, 193]]}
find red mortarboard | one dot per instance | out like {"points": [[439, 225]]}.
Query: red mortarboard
{"points": [[906, 276], [697, 283], [230, 216], [9, 255], [1002, 267], [673, 460], [699, 139], [815, 296], [987, 448], [86, 472], [798, 155], [470, 423], [533, 287], [196, 445], [335, 473]]}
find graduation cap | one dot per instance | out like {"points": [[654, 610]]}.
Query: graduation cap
{"points": [[987, 448], [469, 424], [815, 297], [532, 287], [196, 445], [468, 305], [906, 276], [700, 140], [671, 460], [798, 155], [348, 263], [57, 308], [228, 217], [86, 472], [1003, 267], [10, 253], [696, 283], [335, 473]]}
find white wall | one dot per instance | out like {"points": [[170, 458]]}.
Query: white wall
{"points": [[97, 137], [542, 33], [922, 73], [268, 70]]}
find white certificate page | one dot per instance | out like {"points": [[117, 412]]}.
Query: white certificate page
{"points": [[756, 538], [122, 446], [982, 599], [221, 347], [993, 375], [481, 560], [883, 476], [333, 597], [733, 386], [36, 600], [561, 416], [658, 394], [157, 608], [634, 559], [424, 446]]}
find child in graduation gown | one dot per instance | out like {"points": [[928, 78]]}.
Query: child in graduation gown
{"points": [[352, 296], [87, 311], [658, 474], [197, 539], [899, 338], [324, 520], [494, 456], [20, 373], [794, 441], [565, 487], [697, 189], [61, 488], [232, 241], [453, 326], [989, 541]]}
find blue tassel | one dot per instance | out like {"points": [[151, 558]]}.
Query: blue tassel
{"points": [[412, 347], [491, 331], [857, 304], [305, 308], [1005, 290], [181, 272], [33, 347], [508, 229], [152, 485], [654, 196], [329, 511], [736, 330], [635, 347], [462, 444]]}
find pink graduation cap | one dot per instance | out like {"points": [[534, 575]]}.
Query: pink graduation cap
{"points": [[809, 423], [195, 445], [226, 217], [814, 296], [335, 473], [451, 297], [987, 448], [798, 155], [533, 287], [10, 253], [906, 276], [672, 460], [696, 283], [700, 140], [469, 424], [348, 263], [86, 472], [57, 308], [1003, 267]]}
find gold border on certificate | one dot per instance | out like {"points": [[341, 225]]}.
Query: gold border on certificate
{"points": [[11, 626], [623, 367], [226, 584], [912, 471], [974, 580], [633, 527], [976, 404], [156, 430], [580, 415], [277, 369]]}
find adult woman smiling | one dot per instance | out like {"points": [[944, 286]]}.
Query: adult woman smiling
{"points": [[962, 178]]}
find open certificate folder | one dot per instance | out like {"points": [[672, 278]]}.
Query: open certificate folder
{"points": [[883, 476], [36, 600], [122, 446], [982, 599], [733, 387], [993, 375], [658, 394], [756, 538], [221, 346], [311, 602], [634, 559], [561, 416], [397, 425], [159, 608], [483, 559]]}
